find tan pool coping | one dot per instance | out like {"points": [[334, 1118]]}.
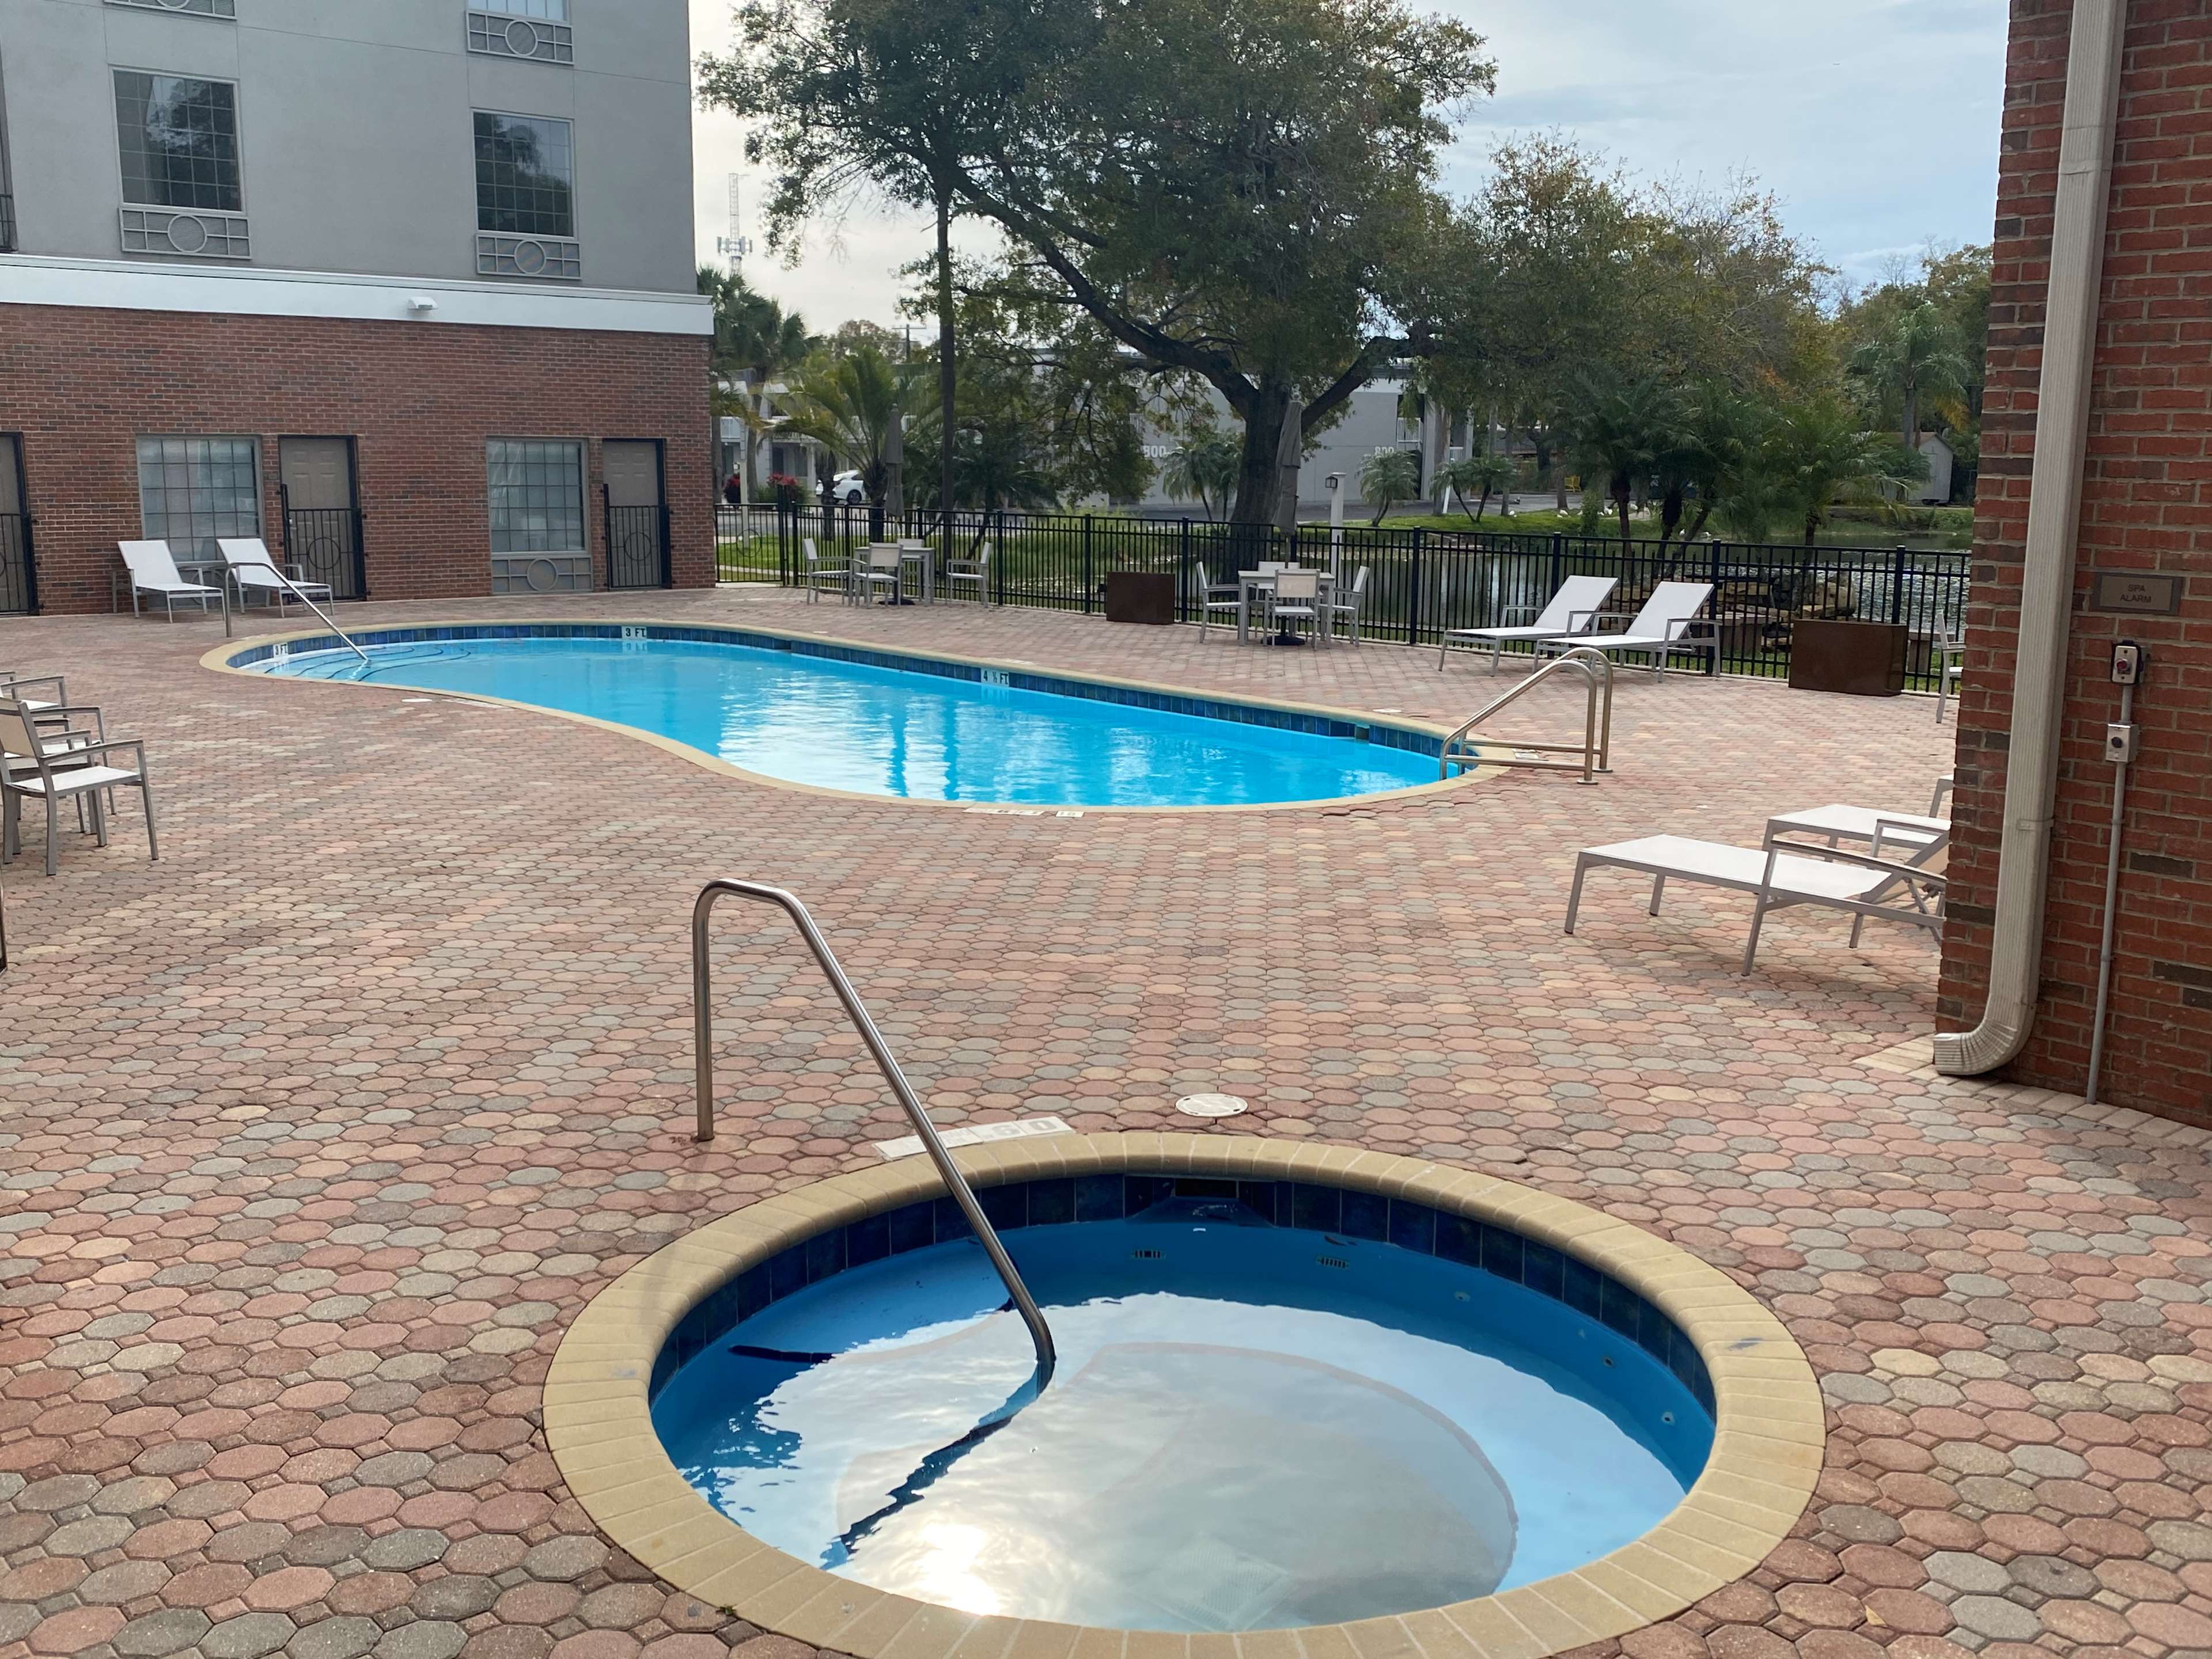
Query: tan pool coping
{"points": [[219, 661], [1767, 1449]]}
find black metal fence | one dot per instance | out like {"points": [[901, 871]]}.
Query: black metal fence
{"points": [[1420, 583], [326, 544], [637, 546], [18, 573]]}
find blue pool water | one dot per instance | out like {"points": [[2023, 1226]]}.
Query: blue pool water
{"points": [[1251, 1427], [879, 731]]}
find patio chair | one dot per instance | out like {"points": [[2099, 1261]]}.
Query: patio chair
{"points": [[1782, 874], [61, 732], [1345, 606], [1576, 605], [1296, 597], [1950, 653], [974, 573], [154, 571], [14, 685], [1663, 628], [1212, 596], [1899, 837], [31, 773], [880, 573], [256, 572], [819, 575]]}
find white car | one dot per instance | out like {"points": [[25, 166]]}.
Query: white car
{"points": [[846, 490]]}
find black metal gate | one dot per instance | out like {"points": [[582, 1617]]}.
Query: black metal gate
{"points": [[326, 544], [637, 545], [19, 566]]}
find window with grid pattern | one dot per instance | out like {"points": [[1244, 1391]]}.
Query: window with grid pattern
{"points": [[551, 11], [179, 138], [537, 495], [524, 164], [192, 490]]}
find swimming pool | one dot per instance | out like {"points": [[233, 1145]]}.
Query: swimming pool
{"points": [[881, 724], [1266, 1413]]}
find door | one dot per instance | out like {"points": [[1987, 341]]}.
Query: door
{"points": [[19, 576], [322, 516], [637, 519]]}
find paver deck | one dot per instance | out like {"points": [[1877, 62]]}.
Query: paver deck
{"points": [[314, 1136]]}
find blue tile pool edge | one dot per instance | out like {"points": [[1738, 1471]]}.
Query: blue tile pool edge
{"points": [[1372, 1218], [1314, 723]]}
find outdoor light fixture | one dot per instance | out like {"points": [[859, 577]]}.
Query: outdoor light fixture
{"points": [[422, 305]]}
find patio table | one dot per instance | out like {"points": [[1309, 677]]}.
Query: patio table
{"points": [[1252, 583]]}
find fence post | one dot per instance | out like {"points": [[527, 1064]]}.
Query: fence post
{"points": [[1897, 587], [1090, 574], [1182, 573], [1719, 625], [1558, 562], [998, 524], [1413, 594]]}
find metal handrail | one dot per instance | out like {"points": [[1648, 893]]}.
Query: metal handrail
{"points": [[230, 577], [702, 1019], [1595, 748]]}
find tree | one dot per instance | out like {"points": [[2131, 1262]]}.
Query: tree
{"points": [[1819, 452], [1715, 452], [1920, 356], [849, 403], [1622, 429], [1389, 477], [1478, 477], [755, 340], [1205, 470], [1244, 195]]}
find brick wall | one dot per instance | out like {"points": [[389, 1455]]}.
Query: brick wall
{"points": [[2148, 508], [419, 398]]}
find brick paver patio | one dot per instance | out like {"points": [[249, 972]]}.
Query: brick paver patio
{"points": [[314, 1135]]}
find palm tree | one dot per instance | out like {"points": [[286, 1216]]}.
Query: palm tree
{"points": [[995, 464], [1920, 356], [848, 404], [1623, 429], [1205, 470], [1389, 477], [755, 341], [1478, 477], [1715, 449], [1819, 452]]}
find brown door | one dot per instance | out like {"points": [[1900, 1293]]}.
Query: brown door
{"points": [[322, 519], [637, 525]]}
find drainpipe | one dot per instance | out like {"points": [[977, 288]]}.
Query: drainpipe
{"points": [[2054, 511]]}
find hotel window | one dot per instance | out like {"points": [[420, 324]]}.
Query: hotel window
{"points": [[179, 142], [526, 166], [192, 490], [535, 29], [537, 499]]}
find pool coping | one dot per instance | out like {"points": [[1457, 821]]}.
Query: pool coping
{"points": [[223, 660], [1768, 1445]]}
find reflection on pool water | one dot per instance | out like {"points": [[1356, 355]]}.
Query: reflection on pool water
{"points": [[882, 731], [1251, 1426]]}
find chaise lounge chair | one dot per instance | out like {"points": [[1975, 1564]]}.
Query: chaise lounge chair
{"points": [[1663, 628], [154, 571], [256, 572], [1575, 606]]}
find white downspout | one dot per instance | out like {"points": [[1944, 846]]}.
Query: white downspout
{"points": [[2054, 513]]}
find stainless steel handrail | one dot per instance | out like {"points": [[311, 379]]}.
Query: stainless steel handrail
{"points": [[1595, 748], [703, 1021], [231, 576]]}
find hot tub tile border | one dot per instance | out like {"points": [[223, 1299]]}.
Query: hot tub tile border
{"points": [[1767, 1449]]}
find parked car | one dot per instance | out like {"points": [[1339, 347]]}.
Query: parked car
{"points": [[846, 490]]}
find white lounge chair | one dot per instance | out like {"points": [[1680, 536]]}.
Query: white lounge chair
{"points": [[1578, 602], [256, 572], [1950, 653], [1663, 628], [974, 573], [1344, 605], [1781, 874], [31, 770], [154, 571]]}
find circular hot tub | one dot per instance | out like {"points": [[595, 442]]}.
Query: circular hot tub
{"points": [[1297, 1387]]}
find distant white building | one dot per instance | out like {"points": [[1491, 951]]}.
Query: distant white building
{"points": [[1941, 464]]}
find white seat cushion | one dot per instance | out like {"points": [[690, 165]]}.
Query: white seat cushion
{"points": [[1742, 868], [72, 781], [1860, 822]]}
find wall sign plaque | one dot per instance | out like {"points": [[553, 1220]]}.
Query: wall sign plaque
{"points": [[2129, 594]]}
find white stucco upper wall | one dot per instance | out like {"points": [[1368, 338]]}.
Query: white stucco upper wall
{"points": [[356, 131]]}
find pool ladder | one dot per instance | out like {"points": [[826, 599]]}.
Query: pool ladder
{"points": [[1468, 747], [702, 1020], [229, 577]]}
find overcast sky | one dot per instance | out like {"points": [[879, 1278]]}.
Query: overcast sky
{"points": [[1874, 120]]}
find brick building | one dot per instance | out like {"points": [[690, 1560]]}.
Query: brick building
{"points": [[405, 291], [2121, 342]]}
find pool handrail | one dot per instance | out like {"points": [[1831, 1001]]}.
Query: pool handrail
{"points": [[702, 1019], [1465, 748], [230, 577]]}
